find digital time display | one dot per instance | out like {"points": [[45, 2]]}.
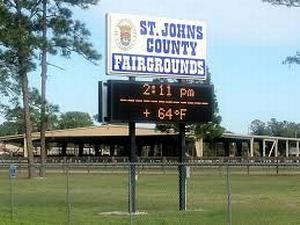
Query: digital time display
{"points": [[135, 101]]}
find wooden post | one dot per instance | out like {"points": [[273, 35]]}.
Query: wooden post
{"points": [[81, 146], [133, 161], [64, 148], [264, 148], [251, 147], [276, 147], [199, 147], [226, 148], [25, 151]]}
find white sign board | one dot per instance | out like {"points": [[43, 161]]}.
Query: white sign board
{"points": [[156, 47]]}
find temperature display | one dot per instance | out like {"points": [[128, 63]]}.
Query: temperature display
{"points": [[132, 101]]}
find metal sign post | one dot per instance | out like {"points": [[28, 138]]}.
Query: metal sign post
{"points": [[12, 171], [136, 46], [182, 167], [229, 209], [133, 161]]}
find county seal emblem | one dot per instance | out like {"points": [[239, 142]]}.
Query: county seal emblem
{"points": [[125, 34]]}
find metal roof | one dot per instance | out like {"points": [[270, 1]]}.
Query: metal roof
{"points": [[250, 136], [108, 130], [92, 131]]}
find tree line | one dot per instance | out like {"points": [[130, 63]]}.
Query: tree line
{"points": [[14, 121], [274, 127]]}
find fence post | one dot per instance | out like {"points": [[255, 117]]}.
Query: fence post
{"points": [[12, 175], [130, 205], [248, 166], [11, 197], [277, 166], [182, 168], [229, 211], [133, 160], [68, 197], [88, 164], [65, 163], [164, 161]]}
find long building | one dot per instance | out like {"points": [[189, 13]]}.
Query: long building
{"points": [[112, 140]]}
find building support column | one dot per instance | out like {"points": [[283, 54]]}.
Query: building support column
{"points": [[151, 153], [260, 143], [64, 149], [297, 147], [264, 148], [251, 147], [239, 145], [111, 149], [25, 150], [80, 146], [226, 148], [97, 149], [276, 147], [199, 147]]}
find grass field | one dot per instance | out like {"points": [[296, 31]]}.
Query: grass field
{"points": [[260, 199]]}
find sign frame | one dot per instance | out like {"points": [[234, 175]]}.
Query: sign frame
{"points": [[197, 63], [113, 113]]}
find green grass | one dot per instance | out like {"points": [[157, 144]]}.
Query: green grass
{"points": [[262, 198]]}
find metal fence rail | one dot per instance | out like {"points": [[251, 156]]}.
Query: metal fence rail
{"points": [[257, 162]]}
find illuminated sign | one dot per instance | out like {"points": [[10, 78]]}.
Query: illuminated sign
{"points": [[156, 46], [132, 101]]}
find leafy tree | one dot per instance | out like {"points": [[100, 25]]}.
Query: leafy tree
{"points": [[13, 114], [74, 119], [208, 131], [61, 34], [5, 84], [275, 128], [18, 43], [10, 128], [288, 3], [258, 127], [212, 130], [22, 37]]}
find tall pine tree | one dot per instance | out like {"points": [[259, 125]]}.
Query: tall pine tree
{"points": [[61, 34], [22, 38]]}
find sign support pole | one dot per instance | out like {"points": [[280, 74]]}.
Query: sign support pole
{"points": [[182, 167], [133, 161]]}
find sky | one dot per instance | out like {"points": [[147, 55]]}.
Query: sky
{"points": [[247, 41]]}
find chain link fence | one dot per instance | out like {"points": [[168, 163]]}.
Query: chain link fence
{"points": [[101, 193]]}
